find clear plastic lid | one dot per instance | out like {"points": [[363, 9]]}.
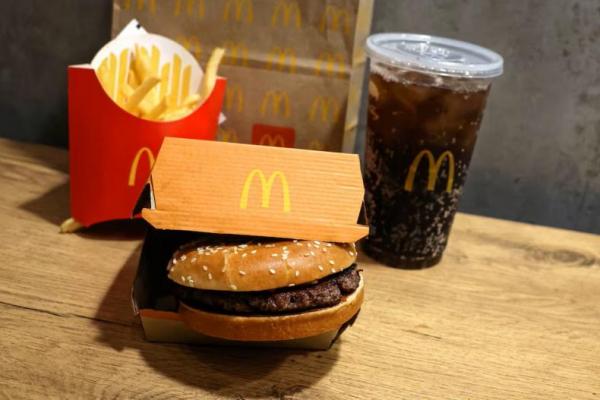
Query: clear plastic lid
{"points": [[434, 54]]}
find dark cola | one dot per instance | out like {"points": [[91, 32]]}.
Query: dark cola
{"points": [[421, 132]]}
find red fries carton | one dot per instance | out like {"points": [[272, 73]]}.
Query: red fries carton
{"points": [[112, 143]]}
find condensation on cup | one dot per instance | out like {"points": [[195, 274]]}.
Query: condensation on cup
{"points": [[426, 100]]}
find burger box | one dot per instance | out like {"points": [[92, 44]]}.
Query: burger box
{"points": [[198, 188], [111, 151]]}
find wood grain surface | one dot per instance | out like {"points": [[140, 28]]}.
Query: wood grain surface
{"points": [[513, 311]]}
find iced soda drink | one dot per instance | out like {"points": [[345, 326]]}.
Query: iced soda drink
{"points": [[421, 131]]}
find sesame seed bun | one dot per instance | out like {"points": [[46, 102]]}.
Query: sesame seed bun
{"points": [[258, 266], [277, 327]]}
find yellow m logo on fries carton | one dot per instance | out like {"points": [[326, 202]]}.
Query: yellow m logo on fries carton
{"points": [[266, 186], [235, 9], [278, 102], [328, 107], [280, 57], [136, 160], [433, 170], [286, 10], [254, 190], [336, 19]]}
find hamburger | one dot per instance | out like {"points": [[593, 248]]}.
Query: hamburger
{"points": [[266, 289]]}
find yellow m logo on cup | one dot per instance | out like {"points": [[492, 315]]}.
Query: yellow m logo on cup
{"points": [[278, 100], [287, 8], [434, 168], [331, 63], [189, 7], [281, 57], [327, 105], [140, 5], [337, 19], [238, 7], [236, 53], [266, 186], [136, 160]]}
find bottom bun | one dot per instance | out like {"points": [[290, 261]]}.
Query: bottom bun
{"points": [[276, 327]]}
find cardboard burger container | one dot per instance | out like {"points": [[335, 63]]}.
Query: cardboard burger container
{"points": [[111, 150], [204, 188]]}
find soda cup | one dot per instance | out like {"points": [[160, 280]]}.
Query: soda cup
{"points": [[426, 100]]}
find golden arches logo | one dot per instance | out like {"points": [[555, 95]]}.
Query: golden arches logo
{"points": [[189, 7], [279, 101], [234, 96], [331, 63], [228, 135], [328, 106], [280, 57], [192, 44], [270, 140], [287, 8], [236, 53], [316, 144], [140, 5], [266, 186], [238, 7], [434, 169], [337, 19], [136, 160]]}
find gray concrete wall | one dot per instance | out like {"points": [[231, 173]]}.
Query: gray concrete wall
{"points": [[538, 155]]}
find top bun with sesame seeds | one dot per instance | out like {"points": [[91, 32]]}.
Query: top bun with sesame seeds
{"points": [[258, 265]]}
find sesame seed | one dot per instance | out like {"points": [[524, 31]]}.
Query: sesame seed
{"points": [[183, 279], [324, 249], [242, 273], [244, 255], [295, 240], [297, 273], [194, 259], [309, 245], [199, 250], [285, 248], [223, 269], [312, 253], [298, 244], [306, 254], [284, 256], [352, 253], [333, 270], [233, 287], [272, 271], [253, 252], [320, 268], [274, 255], [174, 261], [331, 262], [328, 244], [269, 245], [209, 276], [292, 285], [183, 257], [204, 267], [243, 246], [316, 242]]}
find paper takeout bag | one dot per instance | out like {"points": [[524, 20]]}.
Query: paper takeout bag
{"points": [[295, 68], [112, 151]]}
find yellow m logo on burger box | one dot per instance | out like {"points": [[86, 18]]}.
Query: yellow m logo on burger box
{"points": [[217, 187]]}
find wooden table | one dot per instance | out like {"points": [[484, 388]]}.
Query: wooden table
{"points": [[513, 311]]}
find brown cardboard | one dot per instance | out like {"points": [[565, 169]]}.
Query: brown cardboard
{"points": [[214, 187]]}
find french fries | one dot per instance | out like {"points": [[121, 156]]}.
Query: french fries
{"points": [[142, 92]]}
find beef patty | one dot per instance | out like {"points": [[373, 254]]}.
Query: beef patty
{"points": [[326, 292]]}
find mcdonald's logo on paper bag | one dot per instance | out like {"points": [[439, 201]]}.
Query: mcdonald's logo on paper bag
{"points": [[234, 97], [236, 53], [331, 64], [236, 7], [269, 135], [192, 44], [336, 19], [140, 5], [267, 191], [281, 57], [228, 135], [286, 9], [316, 144], [136, 161], [189, 8], [266, 186], [278, 102], [328, 107], [433, 170]]}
